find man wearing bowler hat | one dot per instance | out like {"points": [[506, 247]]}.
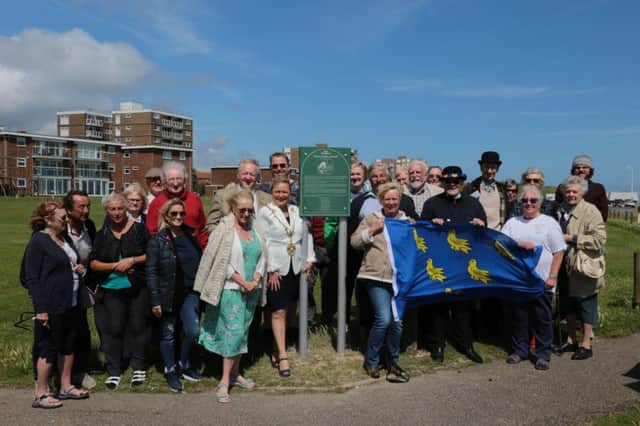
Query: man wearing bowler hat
{"points": [[489, 191], [451, 206]]}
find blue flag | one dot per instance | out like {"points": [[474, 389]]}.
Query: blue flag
{"points": [[455, 262]]}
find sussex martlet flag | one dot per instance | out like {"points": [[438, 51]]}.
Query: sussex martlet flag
{"points": [[453, 262]]}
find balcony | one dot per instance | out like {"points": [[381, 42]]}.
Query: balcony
{"points": [[94, 122], [177, 124], [177, 136], [92, 155], [53, 152], [166, 123], [90, 133], [166, 135], [52, 171], [92, 174]]}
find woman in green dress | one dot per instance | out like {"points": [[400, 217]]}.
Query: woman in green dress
{"points": [[229, 280]]}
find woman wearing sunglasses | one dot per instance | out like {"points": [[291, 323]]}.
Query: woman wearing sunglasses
{"points": [[532, 229], [52, 274], [229, 280], [172, 262]]}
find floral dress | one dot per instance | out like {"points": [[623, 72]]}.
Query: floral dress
{"points": [[225, 328]]}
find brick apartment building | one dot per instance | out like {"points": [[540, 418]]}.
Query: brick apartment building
{"points": [[94, 152]]}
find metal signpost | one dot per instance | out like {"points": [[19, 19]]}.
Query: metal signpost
{"points": [[325, 191]]}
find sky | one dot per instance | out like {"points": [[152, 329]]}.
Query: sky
{"points": [[441, 80]]}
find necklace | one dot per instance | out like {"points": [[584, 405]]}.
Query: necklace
{"points": [[291, 247]]}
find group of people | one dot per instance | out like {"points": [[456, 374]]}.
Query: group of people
{"points": [[159, 257]]}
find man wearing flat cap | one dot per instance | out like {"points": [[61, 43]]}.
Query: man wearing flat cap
{"points": [[596, 194], [489, 191], [455, 207], [153, 179]]}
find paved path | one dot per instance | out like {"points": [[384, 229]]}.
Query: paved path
{"points": [[489, 394]]}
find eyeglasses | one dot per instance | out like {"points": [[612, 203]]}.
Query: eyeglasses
{"points": [[529, 200], [451, 181], [154, 178], [279, 166], [511, 190], [533, 180], [177, 214], [245, 211]]}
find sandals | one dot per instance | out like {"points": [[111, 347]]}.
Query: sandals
{"points": [[222, 397], [138, 378], [69, 393], [46, 401], [285, 372], [244, 383], [112, 382], [275, 360]]}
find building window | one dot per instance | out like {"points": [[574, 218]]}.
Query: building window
{"points": [[135, 168], [187, 133], [127, 127], [111, 149], [156, 140], [187, 122], [128, 139], [126, 184], [127, 116], [21, 141], [21, 183], [166, 155], [64, 131], [156, 116], [126, 154], [183, 156], [112, 185], [111, 167], [21, 162], [64, 120], [156, 128], [127, 170]]}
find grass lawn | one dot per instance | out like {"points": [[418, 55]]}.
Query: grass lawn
{"points": [[322, 369]]}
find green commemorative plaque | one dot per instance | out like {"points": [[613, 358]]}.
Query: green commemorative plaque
{"points": [[325, 175]]}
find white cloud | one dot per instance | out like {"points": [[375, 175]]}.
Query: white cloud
{"points": [[499, 92], [42, 72]]}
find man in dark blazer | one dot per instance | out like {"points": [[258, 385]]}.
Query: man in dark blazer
{"points": [[82, 232], [455, 207]]}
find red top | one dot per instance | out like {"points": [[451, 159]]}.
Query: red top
{"points": [[195, 214]]}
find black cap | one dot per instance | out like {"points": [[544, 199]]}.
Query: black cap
{"points": [[490, 157], [453, 172]]}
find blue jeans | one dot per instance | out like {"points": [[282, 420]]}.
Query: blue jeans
{"points": [[190, 317], [384, 328]]}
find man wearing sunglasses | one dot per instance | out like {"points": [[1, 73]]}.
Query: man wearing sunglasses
{"points": [[280, 166], [247, 178], [596, 194], [455, 207], [532, 176], [153, 179]]}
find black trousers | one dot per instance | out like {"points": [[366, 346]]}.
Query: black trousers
{"points": [[122, 316], [440, 316], [83, 344]]}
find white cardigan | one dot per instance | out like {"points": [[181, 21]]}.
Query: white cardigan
{"points": [[270, 223]]}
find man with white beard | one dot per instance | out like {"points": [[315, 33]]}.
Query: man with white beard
{"points": [[418, 188]]}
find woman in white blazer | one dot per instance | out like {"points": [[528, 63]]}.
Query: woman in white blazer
{"points": [[282, 227]]}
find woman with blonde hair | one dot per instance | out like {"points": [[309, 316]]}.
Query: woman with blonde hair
{"points": [[229, 280]]}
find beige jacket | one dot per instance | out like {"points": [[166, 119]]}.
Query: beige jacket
{"points": [[220, 204], [376, 264], [219, 261], [587, 224]]}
